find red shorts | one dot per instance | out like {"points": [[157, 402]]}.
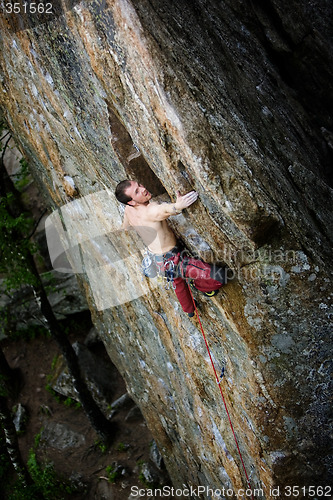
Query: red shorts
{"points": [[206, 277]]}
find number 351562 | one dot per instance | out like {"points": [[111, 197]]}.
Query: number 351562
{"points": [[310, 491], [27, 8]]}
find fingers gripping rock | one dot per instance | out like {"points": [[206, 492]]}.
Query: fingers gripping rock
{"points": [[189, 198]]}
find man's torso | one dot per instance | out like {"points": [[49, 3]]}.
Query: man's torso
{"points": [[157, 235]]}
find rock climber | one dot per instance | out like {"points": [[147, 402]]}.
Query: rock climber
{"points": [[149, 219]]}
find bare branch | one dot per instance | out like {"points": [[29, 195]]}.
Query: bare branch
{"points": [[36, 224], [2, 138], [4, 151]]}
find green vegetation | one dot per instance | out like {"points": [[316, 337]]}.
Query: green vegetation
{"points": [[53, 393], [16, 229], [67, 401], [31, 332], [45, 478], [122, 446], [15, 251], [53, 364], [23, 176], [113, 473], [4, 459], [46, 484], [102, 446], [62, 399], [4, 380], [72, 403], [142, 478]]}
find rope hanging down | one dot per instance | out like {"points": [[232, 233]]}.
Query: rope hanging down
{"points": [[219, 384]]}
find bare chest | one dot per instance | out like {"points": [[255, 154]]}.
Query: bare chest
{"points": [[138, 218]]}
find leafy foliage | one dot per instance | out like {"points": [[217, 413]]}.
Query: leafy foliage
{"points": [[29, 333], [22, 177], [70, 402], [13, 250], [102, 446], [45, 478], [4, 459], [47, 484], [113, 473], [15, 229], [3, 387]]}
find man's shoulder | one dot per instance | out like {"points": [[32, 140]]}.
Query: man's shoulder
{"points": [[129, 210], [136, 214]]}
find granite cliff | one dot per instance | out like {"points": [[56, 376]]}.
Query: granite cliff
{"points": [[232, 99]]}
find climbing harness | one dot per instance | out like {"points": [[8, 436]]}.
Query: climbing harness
{"points": [[148, 267], [219, 380], [161, 266], [169, 267]]}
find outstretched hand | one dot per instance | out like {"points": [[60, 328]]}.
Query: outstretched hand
{"points": [[186, 200]]}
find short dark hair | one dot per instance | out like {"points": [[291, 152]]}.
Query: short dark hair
{"points": [[120, 192]]}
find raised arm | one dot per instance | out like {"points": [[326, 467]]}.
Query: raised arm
{"points": [[165, 210]]}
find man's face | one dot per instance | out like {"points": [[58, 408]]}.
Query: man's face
{"points": [[139, 194]]}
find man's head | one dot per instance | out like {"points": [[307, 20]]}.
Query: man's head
{"points": [[131, 193]]}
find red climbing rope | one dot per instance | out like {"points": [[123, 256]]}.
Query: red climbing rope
{"points": [[219, 384]]}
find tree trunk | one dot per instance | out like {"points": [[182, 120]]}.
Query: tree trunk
{"points": [[99, 422], [5, 375], [12, 443], [9, 377]]}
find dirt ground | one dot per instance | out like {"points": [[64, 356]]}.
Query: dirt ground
{"points": [[86, 463]]}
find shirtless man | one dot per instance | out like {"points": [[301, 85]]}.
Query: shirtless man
{"points": [[149, 219], [142, 213]]}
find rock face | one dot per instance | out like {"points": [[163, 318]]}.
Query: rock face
{"points": [[98, 375], [23, 311], [233, 100]]}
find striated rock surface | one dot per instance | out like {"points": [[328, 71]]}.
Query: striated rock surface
{"points": [[234, 100]]}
